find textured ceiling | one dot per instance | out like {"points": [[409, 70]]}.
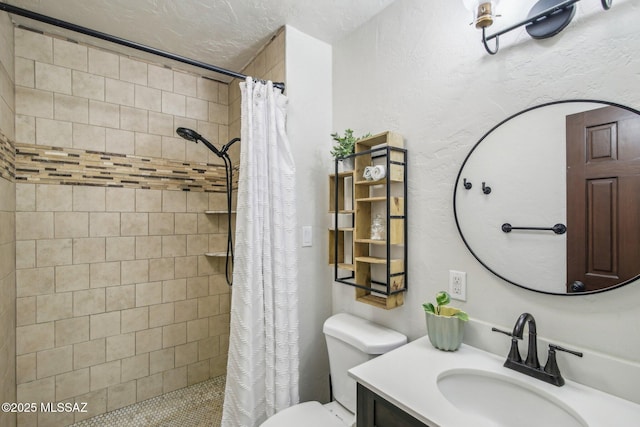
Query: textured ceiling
{"points": [[224, 33]]}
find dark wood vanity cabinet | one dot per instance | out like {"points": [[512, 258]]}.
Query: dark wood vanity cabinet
{"points": [[374, 411]]}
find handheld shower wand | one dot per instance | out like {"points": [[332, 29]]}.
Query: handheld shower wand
{"points": [[192, 135]]}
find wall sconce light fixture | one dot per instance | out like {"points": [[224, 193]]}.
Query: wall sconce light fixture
{"points": [[482, 10], [546, 18]]}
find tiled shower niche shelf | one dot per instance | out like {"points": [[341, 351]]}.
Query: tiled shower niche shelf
{"points": [[376, 268], [215, 254], [217, 212]]}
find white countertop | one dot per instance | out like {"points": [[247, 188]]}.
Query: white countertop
{"points": [[407, 377]]}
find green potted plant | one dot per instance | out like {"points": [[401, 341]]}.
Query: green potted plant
{"points": [[445, 325], [345, 146]]}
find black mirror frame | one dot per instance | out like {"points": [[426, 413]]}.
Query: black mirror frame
{"points": [[458, 183]]}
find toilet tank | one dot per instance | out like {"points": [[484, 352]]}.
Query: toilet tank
{"points": [[351, 341]]}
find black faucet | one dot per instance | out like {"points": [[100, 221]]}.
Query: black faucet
{"points": [[518, 329], [531, 366]]}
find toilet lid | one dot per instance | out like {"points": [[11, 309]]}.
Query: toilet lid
{"points": [[307, 414]]}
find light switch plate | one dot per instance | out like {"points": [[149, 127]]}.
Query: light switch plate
{"points": [[307, 236]]}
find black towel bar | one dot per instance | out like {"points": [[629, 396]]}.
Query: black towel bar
{"points": [[558, 228]]}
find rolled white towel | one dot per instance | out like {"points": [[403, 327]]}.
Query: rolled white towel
{"points": [[367, 173], [378, 172]]}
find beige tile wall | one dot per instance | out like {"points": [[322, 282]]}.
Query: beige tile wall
{"points": [[7, 223], [7, 77], [116, 302], [71, 95], [7, 299]]}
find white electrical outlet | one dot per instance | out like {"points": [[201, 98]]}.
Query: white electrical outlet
{"points": [[458, 285]]}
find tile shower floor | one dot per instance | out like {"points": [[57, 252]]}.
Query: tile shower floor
{"points": [[199, 405]]}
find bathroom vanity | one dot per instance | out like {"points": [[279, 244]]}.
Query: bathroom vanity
{"points": [[418, 385], [374, 410]]}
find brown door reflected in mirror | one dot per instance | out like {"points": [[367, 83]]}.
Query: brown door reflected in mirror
{"points": [[603, 198]]}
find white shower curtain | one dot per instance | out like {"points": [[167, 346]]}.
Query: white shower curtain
{"points": [[262, 372]]}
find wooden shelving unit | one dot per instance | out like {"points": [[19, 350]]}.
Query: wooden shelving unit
{"points": [[375, 267], [338, 206]]}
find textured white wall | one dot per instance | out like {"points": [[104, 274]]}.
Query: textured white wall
{"points": [[419, 69], [308, 68]]}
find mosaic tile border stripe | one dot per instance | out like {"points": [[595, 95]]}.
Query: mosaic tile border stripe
{"points": [[41, 164], [7, 158]]}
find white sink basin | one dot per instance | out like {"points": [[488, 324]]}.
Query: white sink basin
{"points": [[504, 401]]}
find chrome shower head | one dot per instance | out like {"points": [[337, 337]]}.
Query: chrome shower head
{"points": [[189, 134]]}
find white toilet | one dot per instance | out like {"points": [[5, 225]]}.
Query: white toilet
{"points": [[350, 342]]}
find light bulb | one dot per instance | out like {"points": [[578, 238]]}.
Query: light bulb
{"points": [[483, 11]]}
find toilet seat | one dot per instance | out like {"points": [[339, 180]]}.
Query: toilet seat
{"points": [[307, 414]]}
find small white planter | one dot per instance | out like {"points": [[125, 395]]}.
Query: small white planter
{"points": [[445, 332], [345, 164]]}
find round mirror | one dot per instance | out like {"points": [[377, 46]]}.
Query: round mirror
{"points": [[549, 199]]}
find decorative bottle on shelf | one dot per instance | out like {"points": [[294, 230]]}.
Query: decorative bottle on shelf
{"points": [[377, 228]]}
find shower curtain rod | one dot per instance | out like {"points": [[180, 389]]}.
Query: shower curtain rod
{"points": [[123, 42]]}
